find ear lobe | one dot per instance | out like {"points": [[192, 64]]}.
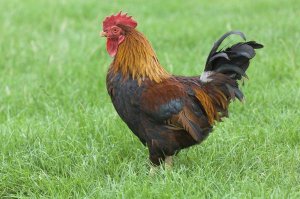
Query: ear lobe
{"points": [[121, 39]]}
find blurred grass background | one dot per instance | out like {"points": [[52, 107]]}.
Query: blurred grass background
{"points": [[60, 137]]}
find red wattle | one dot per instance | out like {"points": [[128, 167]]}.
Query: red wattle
{"points": [[112, 45]]}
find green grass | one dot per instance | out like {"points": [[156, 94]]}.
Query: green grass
{"points": [[60, 136]]}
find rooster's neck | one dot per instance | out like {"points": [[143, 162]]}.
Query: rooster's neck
{"points": [[136, 59]]}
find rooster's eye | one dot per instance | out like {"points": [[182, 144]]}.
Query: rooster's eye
{"points": [[115, 30]]}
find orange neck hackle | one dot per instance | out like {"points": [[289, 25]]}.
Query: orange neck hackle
{"points": [[136, 58]]}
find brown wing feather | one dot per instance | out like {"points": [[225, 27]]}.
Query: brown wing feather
{"points": [[157, 94], [190, 123], [170, 103]]}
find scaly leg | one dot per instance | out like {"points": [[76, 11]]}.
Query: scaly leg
{"points": [[153, 170], [168, 165], [168, 162]]}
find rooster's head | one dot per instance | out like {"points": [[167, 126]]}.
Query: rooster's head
{"points": [[114, 28]]}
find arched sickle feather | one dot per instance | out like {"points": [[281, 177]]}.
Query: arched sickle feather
{"points": [[224, 55], [218, 43]]}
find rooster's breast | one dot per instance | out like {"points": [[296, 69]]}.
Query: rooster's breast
{"points": [[125, 94]]}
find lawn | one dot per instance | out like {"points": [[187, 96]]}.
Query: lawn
{"points": [[60, 136]]}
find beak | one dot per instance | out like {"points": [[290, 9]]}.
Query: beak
{"points": [[103, 34]]}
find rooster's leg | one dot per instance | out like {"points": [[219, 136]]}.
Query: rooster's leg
{"points": [[168, 165], [153, 170], [168, 162]]}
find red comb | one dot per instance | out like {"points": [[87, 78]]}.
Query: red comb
{"points": [[119, 19]]}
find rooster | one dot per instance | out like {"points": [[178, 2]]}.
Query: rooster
{"points": [[167, 112]]}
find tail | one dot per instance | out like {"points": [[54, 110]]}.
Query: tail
{"points": [[224, 67]]}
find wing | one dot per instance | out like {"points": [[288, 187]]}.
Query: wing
{"points": [[173, 104]]}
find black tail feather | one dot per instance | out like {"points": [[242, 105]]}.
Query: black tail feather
{"points": [[232, 61], [224, 67], [217, 45]]}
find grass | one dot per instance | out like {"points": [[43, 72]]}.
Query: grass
{"points": [[60, 137]]}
